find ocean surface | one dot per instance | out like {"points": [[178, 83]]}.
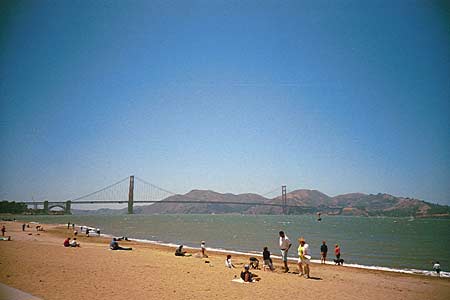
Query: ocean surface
{"points": [[395, 244]]}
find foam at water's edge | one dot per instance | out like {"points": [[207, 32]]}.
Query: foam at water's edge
{"points": [[387, 269]]}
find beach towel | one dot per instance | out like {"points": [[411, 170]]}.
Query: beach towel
{"points": [[240, 280], [5, 238]]}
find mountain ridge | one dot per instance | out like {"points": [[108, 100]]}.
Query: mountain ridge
{"points": [[304, 200]]}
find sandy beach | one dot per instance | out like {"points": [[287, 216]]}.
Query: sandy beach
{"points": [[37, 263]]}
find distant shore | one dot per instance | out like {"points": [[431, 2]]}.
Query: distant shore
{"points": [[36, 262]]}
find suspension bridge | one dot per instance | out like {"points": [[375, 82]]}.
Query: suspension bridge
{"points": [[134, 190]]}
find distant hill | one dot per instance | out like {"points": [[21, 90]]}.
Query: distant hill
{"points": [[201, 195], [308, 201]]}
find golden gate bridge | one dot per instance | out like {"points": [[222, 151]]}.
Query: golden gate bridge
{"points": [[134, 190]]}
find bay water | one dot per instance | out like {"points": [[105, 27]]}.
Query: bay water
{"points": [[396, 244]]}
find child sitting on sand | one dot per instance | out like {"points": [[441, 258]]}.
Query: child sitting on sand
{"points": [[254, 263], [74, 243], [228, 262]]}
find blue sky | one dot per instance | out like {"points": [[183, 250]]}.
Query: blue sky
{"points": [[232, 96]]}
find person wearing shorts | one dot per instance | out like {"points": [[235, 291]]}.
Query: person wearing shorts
{"points": [[303, 258], [285, 244], [323, 252]]}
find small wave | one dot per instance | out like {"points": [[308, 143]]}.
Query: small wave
{"points": [[292, 259]]}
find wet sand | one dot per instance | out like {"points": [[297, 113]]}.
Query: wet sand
{"points": [[37, 263]]}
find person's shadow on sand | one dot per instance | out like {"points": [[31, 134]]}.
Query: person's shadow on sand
{"points": [[311, 277]]}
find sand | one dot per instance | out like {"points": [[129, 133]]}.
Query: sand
{"points": [[41, 266]]}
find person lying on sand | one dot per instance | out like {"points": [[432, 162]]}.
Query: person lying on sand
{"points": [[114, 245]]}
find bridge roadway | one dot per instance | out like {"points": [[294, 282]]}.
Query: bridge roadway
{"points": [[164, 201]]}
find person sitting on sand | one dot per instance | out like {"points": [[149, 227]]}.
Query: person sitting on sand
{"points": [[437, 268], [267, 260], [203, 247], [228, 262], [74, 243], [114, 245], [246, 275], [67, 242], [179, 251]]}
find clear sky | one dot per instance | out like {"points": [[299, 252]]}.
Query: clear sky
{"points": [[232, 96]]}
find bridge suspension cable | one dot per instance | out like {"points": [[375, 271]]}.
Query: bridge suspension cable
{"points": [[271, 192], [108, 192], [146, 191]]}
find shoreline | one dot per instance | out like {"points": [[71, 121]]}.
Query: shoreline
{"points": [[410, 271], [37, 263]]}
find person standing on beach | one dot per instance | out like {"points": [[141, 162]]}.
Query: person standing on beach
{"points": [[23, 227], [337, 252], [68, 225], [3, 230], [203, 246], [303, 258], [285, 244], [437, 268], [323, 252]]}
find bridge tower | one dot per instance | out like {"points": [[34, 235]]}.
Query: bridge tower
{"points": [[67, 208], [46, 206], [284, 199], [130, 195]]}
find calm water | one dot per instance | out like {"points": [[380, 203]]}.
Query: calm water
{"points": [[399, 243]]}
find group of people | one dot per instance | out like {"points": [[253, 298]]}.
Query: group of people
{"points": [[180, 252], [304, 254], [303, 263], [71, 243]]}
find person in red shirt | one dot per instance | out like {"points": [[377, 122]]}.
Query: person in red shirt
{"points": [[67, 242], [337, 252]]}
